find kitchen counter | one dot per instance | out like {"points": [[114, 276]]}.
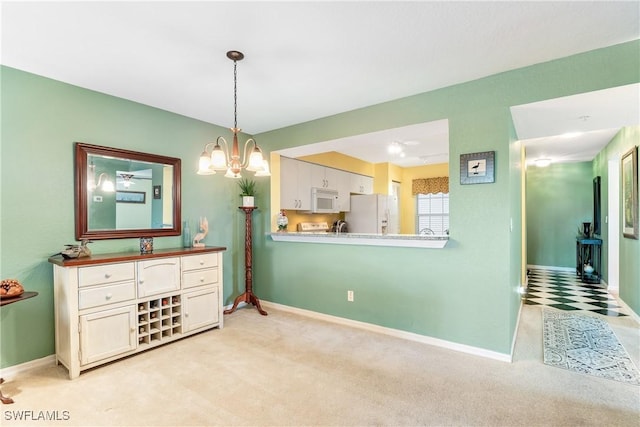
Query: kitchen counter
{"points": [[401, 240]]}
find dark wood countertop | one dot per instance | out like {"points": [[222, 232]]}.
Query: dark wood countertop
{"points": [[130, 256]]}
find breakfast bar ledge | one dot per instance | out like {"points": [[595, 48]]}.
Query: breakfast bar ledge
{"points": [[398, 240]]}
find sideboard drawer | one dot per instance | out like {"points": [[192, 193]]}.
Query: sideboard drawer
{"points": [[199, 278], [159, 275], [106, 273], [103, 295], [196, 262]]}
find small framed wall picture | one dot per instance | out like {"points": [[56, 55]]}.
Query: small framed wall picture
{"points": [[629, 166], [478, 168]]}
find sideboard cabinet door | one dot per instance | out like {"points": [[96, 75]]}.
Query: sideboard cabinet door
{"points": [[106, 334], [200, 309]]}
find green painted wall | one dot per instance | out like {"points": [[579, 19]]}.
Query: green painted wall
{"points": [[629, 249], [559, 200], [41, 119], [466, 293], [516, 269]]}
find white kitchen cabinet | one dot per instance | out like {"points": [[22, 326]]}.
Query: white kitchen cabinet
{"points": [[361, 184], [110, 306], [343, 180], [295, 184], [324, 177]]}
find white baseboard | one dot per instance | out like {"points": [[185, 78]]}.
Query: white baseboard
{"points": [[392, 332], [632, 313], [515, 330], [12, 371], [549, 267]]}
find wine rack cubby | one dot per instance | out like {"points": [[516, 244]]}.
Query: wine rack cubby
{"points": [[159, 319]]}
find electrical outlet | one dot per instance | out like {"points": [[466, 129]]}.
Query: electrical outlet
{"points": [[350, 296]]}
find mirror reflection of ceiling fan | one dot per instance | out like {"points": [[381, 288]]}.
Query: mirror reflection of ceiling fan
{"points": [[125, 179]]}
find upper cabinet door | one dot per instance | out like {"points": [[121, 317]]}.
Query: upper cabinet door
{"points": [[343, 185], [318, 176], [288, 183], [324, 177], [295, 184], [361, 184]]}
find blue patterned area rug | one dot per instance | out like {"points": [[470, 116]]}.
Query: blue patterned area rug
{"points": [[587, 345]]}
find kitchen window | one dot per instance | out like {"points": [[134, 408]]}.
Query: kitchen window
{"points": [[432, 213]]}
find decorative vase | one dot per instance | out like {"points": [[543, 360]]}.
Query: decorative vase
{"points": [[248, 201], [146, 245], [186, 235]]}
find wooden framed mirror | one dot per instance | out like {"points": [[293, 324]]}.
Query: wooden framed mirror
{"points": [[124, 194]]}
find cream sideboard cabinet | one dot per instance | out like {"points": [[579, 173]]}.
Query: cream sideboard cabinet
{"points": [[115, 305]]}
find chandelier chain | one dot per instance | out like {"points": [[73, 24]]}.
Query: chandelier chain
{"points": [[235, 94]]}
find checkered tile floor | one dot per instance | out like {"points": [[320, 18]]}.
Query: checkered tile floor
{"points": [[564, 291]]}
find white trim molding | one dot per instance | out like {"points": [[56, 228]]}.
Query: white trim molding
{"points": [[12, 371], [476, 351], [547, 267]]}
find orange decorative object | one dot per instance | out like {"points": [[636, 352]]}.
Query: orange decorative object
{"points": [[10, 288]]}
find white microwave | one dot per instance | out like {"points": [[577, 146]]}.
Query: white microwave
{"points": [[323, 200]]}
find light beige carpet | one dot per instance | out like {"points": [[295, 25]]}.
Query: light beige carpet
{"points": [[288, 370]]}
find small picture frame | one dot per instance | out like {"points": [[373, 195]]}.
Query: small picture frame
{"points": [[629, 167], [157, 191], [130, 196], [477, 168]]}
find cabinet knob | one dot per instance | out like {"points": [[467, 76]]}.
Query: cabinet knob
{"points": [[132, 330], [186, 315], [109, 296], [201, 262], [202, 279], [107, 275]]}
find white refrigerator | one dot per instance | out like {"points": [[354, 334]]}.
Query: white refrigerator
{"points": [[373, 213]]}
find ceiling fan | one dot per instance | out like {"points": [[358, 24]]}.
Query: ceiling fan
{"points": [[125, 179]]}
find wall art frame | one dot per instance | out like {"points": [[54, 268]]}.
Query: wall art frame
{"points": [[478, 168], [131, 197], [629, 168]]}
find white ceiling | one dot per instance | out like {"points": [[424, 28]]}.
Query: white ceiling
{"points": [[303, 60], [576, 128]]}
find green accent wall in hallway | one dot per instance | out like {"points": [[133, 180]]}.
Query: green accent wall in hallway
{"points": [[559, 200]]}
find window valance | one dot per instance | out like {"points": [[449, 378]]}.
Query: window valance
{"points": [[430, 185]]}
